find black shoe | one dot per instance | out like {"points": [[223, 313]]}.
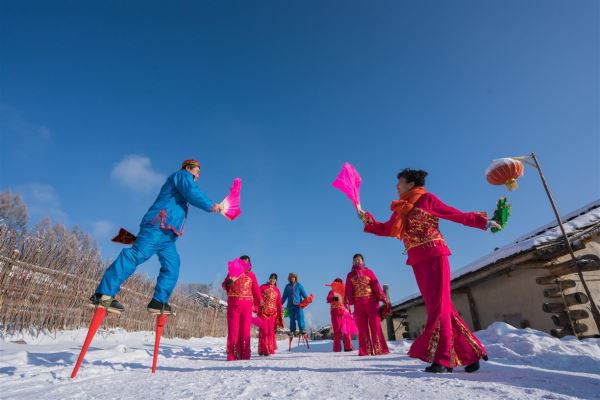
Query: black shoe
{"points": [[472, 367], [485, 358], [437, 368], [156, 307], [108, 302], [302, 333], [348, 349], [291, 333]]}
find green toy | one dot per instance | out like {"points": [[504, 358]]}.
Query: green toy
{"points": [[501, 213], [285, 313]]}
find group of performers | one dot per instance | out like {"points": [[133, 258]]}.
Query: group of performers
{"points": [[446, 341]]}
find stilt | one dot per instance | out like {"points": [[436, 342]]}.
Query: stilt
{"points": [[303, 339], [161, 321], [99, 315], [291, 339]]}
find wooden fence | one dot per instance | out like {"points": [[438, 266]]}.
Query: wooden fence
{"points": [[42, 288]]}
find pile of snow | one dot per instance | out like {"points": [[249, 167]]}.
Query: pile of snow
{"points": [[524, 364]]}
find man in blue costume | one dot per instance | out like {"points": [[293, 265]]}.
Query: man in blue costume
{"points": [[159, 229], [294, 293]]}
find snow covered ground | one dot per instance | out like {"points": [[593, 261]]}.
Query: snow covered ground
{"points": [[524, 364]]}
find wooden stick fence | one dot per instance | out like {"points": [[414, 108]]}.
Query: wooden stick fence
{"points": [[44, 285]]}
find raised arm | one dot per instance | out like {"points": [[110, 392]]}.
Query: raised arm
{"points": [[226, 283], [436, 207], [184, 182], [380, 228]]}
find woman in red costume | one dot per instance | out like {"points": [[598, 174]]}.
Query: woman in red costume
{"points": [[364, 291], [446, 341], [338, 309], [242, 291], [271, 314]]}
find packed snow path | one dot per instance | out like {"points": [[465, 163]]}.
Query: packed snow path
{"points": [[524, 364]]}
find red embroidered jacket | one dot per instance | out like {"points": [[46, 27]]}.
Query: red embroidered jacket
{"points": [[271, 297], [423, 239], [243, 290], [362, 286]]}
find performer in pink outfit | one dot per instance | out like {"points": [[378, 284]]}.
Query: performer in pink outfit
{"points": [[364, 292], [446, 341], [242, 292], [336, 302], [271, 313]]}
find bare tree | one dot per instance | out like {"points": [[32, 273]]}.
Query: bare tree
{"points": [[13, 212]]}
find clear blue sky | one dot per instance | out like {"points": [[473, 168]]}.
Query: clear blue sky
{"points": [[100, 101]]}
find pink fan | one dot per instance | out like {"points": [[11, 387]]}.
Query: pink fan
{"points": [[230, 206], [348, 181], [237, 267], [349, 324], [257, 322]]}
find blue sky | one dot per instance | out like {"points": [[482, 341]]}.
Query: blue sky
{"points": [[100, 101]]}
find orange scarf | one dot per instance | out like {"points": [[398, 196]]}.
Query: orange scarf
{"points": [[403, 207]]}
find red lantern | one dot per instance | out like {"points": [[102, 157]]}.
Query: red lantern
{"points": [[505, 171]]}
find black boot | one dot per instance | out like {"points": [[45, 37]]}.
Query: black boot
{"points": [[437, 368], [108, 302], [156, 307], [472, 367]]}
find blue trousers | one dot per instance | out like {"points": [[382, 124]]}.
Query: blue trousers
{"points": [[296, 313], [150, 241]]}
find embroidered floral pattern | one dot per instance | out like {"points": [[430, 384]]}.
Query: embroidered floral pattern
{"points": [[421, 229], [362, 286], [433, 343], [469, 337], [242, 287], [269, 302]]}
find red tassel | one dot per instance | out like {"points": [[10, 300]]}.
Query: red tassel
{"points": [[161, 321], [99, 315]]}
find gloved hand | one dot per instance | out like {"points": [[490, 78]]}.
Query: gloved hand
{"points": [[365, 217], [335, 298], [492, 224], [229, 283]]}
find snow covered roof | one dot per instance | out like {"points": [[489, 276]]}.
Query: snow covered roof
{"points": [[573, 222], [207, 300]]}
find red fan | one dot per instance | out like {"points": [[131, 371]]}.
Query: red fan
{"points": [[124, 237], [505, 171], [230, 206], [307, 300]]}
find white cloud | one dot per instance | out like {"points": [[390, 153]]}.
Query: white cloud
{"points": [[13, 121], [43, 201], [135, 172], [103, 229]]}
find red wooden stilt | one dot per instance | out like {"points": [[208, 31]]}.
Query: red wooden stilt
{"points": [[99, 315], [161, 321]]}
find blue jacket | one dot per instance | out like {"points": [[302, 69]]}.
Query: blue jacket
{"points": [[171, 206], [298, 294]]}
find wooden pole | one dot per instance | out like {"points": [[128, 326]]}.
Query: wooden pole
{"points": [[594, 308], [389, 320]]}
